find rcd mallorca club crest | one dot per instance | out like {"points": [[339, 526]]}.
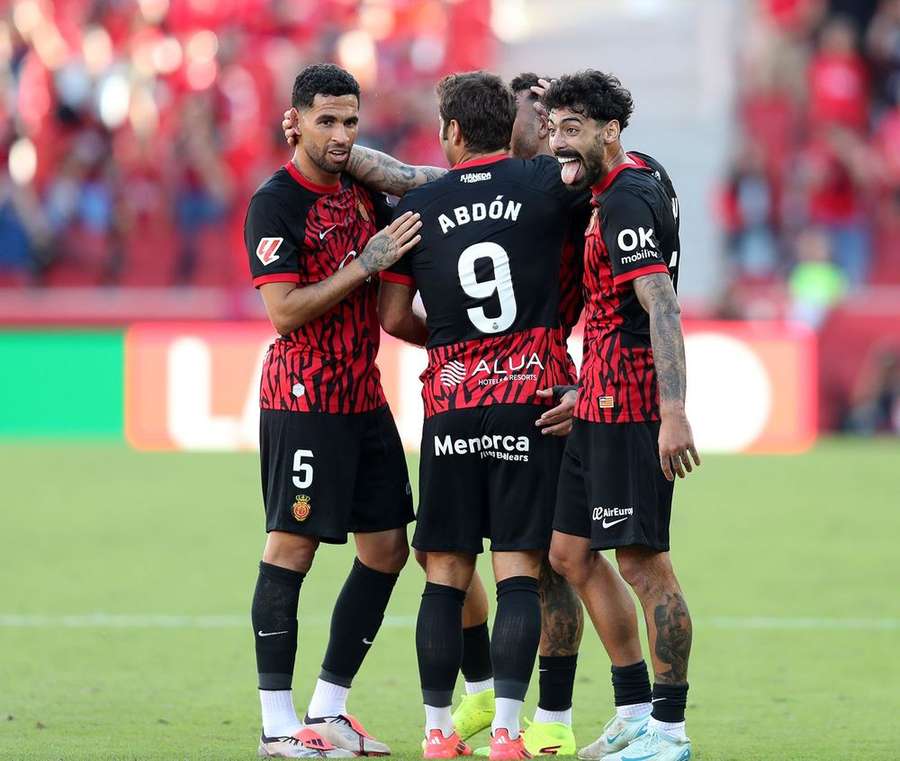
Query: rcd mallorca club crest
{"points": [[301, 508]]}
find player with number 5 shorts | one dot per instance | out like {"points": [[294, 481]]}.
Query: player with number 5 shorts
{"points": [[330, 454]]}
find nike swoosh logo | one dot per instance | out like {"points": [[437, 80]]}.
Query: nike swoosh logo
{"points": [[261, 633], [613, 523], [368, 642], [611, 740], [656, 700], [325, 232]]}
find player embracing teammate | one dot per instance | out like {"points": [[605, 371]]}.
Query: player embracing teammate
{"points": [[487, 264]]}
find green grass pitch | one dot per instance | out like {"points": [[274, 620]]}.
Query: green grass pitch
{"points": [[126, 581]]}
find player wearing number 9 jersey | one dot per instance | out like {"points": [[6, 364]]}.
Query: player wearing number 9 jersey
{"points": [[487, 269]]}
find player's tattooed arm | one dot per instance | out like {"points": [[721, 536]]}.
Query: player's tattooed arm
{"points": [[562, 619], [673, 638], [386, 174], [290, 306], [676, 440], [397, 314], [387, 246], [375, 169]]}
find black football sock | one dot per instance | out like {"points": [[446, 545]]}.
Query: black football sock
{"points": [[517, 632], [631, 684], [439, 642], [355, 622], [274, 616], [476, 657], [669, 702], [557, 680]]}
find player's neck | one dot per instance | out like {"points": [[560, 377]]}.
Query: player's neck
{"points": [[616, 157], [316, 175], [468, 156]]}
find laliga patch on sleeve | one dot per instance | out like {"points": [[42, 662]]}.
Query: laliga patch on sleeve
{"points": [[266, 250]]}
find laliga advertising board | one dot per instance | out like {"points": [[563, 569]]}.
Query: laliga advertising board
{"points": [[751, 386]]}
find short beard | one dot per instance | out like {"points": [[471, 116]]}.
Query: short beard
{"points": [[592, 167], [326, 164]]}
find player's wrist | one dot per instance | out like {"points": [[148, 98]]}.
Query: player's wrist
{"points": [[359, 269], [672, 409]]}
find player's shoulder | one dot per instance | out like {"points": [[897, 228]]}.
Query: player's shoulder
{"points": [[655, 166], [280, 191], [420, 198]]}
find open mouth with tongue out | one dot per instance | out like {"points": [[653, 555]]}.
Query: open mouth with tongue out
{"points": [[572, 169]]}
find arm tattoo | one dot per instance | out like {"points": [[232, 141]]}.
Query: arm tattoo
{"points": [[379, 254], [673, 638], [386, 174], [657, 296], [562, 620]]}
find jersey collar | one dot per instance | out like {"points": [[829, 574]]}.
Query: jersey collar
{"points": [[483, 161], [635, 163], [295, 173]]}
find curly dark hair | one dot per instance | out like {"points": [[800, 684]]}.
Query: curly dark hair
{"points": [[525, 81], [593, 94], [482, 105], [322, 79]]}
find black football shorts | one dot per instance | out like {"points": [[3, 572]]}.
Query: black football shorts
{"points": [[486, 472], [325, 475], [611, 487]]}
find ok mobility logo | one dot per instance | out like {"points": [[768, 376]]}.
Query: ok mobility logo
{"points": [[617, 514]]}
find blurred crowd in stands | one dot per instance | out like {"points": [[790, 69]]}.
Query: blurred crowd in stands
{"points": [[811, 202], [134, 130]]}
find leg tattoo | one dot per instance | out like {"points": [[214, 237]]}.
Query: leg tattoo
{"points": [[562, 620], [673, 637]]}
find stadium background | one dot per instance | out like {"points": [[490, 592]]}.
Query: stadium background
{"points": [[132, 133]]}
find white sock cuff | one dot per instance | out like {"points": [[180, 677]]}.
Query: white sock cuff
{"points": [[561, 717], [473, 688], [278, 715], [634, 711], [676, 728], [439, 718], [508, 712], [328, 699]]}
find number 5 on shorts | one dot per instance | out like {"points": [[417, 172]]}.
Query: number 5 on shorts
{"points": [[305, 469]]}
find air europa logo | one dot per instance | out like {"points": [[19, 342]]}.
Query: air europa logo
{"points": [[610, 516]]}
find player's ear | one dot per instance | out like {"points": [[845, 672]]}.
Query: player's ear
{"points": [[455, 133], [296, 120], [611, 131], [543, 128]]}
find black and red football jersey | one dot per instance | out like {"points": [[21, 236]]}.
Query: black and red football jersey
{"points": [[299, 232], [633, 231], [488, 271]]}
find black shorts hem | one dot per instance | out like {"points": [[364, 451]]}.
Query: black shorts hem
{"points": [[522, 547], [376, 529], [620, 545]]}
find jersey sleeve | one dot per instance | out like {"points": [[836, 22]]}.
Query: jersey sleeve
{"points": [[628, 225], [401, 271], [271, 246], [384, 212]]}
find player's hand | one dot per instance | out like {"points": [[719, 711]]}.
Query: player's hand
{"points": [[676, 446], [558, 420], [289, 125], [540, 89], [389, 245]]}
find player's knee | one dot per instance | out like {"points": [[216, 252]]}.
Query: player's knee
{"points": [[390, 558], [290, 551], [573, 569], [641, 572]]}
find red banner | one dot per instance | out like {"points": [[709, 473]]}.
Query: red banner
{"points": [[194, 386]]}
